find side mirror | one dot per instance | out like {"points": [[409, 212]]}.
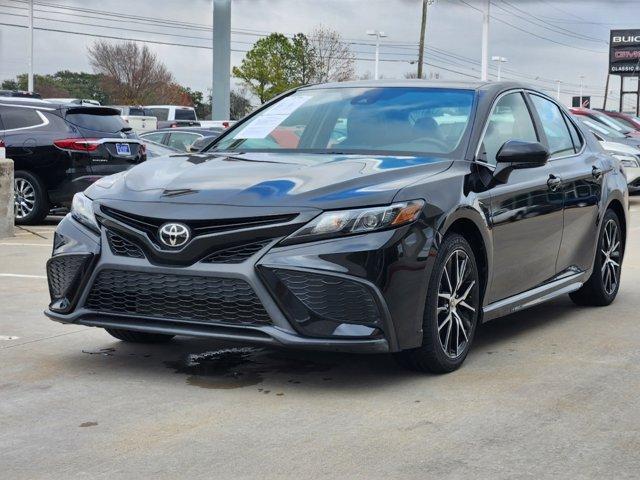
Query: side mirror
{"points": [[515, 155]]}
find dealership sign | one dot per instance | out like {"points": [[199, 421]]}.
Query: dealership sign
{"points": [[624, 52]]}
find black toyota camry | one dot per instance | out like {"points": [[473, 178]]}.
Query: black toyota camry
{"points": [[365, 217]]}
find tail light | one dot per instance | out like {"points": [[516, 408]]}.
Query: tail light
{"points": [[225, 124], [142, 149], [174, 125], [78, 144]]}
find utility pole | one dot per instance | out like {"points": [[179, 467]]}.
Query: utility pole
{"points": [[558, 90], [221, 87], [378, 34], [581, 80], [484, 70], [30, 48], [423, 28]]}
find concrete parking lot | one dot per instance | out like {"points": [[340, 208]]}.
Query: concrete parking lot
{"points": [[551, 392]]}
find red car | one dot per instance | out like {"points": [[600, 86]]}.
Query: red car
{"points": [[630, 121], [607, 120]]}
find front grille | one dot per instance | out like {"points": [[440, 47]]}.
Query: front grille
{"points": [[177, 297], [61, 271], [122, 247], [150, 225], [236, 254], [331, 298]]}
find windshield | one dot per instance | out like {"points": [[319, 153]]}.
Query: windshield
{"points": [[610, 122], [391, 120], [602, 129], [97, 120]]}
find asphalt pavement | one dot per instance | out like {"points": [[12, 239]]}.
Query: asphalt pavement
{"points": [[550, 392]]}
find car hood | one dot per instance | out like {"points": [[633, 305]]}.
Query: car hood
{"points": [[269, 179]]}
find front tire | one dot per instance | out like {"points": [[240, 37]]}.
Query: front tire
{"points": [[30, 198], [602, 287], [138, 337], [451, 310]]}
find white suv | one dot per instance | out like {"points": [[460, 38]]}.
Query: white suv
{"points": [[174, 115]]}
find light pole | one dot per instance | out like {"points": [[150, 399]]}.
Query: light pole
{"points": [[30, 48], [500, 61], [558, 90], [581, 81], [378, 34], [221, 78], [484, 69]]}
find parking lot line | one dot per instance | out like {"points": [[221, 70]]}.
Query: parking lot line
{"points": [[26, 244], [18, 275]]}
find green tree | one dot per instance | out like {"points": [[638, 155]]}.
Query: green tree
{"points": [[266, 69], [303, 65]]}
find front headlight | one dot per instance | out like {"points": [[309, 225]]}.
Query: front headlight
{"points": [[361, 220], [626, 159], [82, 211]]}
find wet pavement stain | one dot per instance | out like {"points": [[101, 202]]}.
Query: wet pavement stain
{"points": [[107, 352], [88, 424], [230, 368]]}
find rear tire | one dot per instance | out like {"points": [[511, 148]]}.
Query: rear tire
{"points": [[451, 310], [30, 198], [138, 337], [602, 287]]}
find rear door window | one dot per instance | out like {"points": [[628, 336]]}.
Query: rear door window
{"points": [[154, 137], [14, 118], [185, 114], [182, 140], [554, 126]]}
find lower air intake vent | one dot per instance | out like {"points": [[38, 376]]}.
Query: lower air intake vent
{"points": [[123, 247], [237, 254], [330, 297], [177, 297], [61, 271]]}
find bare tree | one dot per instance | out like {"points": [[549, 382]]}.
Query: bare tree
{"points": [[131, 74], [334, 59]]}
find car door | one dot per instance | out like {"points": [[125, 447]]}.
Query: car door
{"points": [[581, 170], [526, 211]]}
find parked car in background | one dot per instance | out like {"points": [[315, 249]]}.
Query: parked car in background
{"points": [[221, 124], [20, 94], [182, 138], [629, 158], [605, 132], [61, 149], [627, 119], [171, 116], [155, 150], [440, 207], [140, 119], [75, 101], [606, 120]]}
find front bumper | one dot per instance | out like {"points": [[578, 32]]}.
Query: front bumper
{"points": [[633, 178], [359, 294]]}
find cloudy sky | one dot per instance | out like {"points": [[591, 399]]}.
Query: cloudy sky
{"points": [[543, 40]]}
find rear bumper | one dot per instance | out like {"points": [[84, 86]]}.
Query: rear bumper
{"points": [[359, 294]]}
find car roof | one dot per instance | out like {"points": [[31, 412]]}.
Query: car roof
{"points": [[201, 130], [461, 85]]}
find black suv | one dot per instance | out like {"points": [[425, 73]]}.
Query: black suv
{"points": [[59, 150]]}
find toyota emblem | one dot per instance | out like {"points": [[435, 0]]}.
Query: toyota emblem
{"points": [[174, 234]]}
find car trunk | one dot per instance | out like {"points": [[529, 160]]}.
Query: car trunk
{"points": [[113, 144]]}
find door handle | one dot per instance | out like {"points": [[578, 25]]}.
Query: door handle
{"points": [[596, 172], [554, 182]]}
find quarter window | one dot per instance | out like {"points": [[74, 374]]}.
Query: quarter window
{"points": [[555, 127], [575, 135], [509, 120], [15, 117]]}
